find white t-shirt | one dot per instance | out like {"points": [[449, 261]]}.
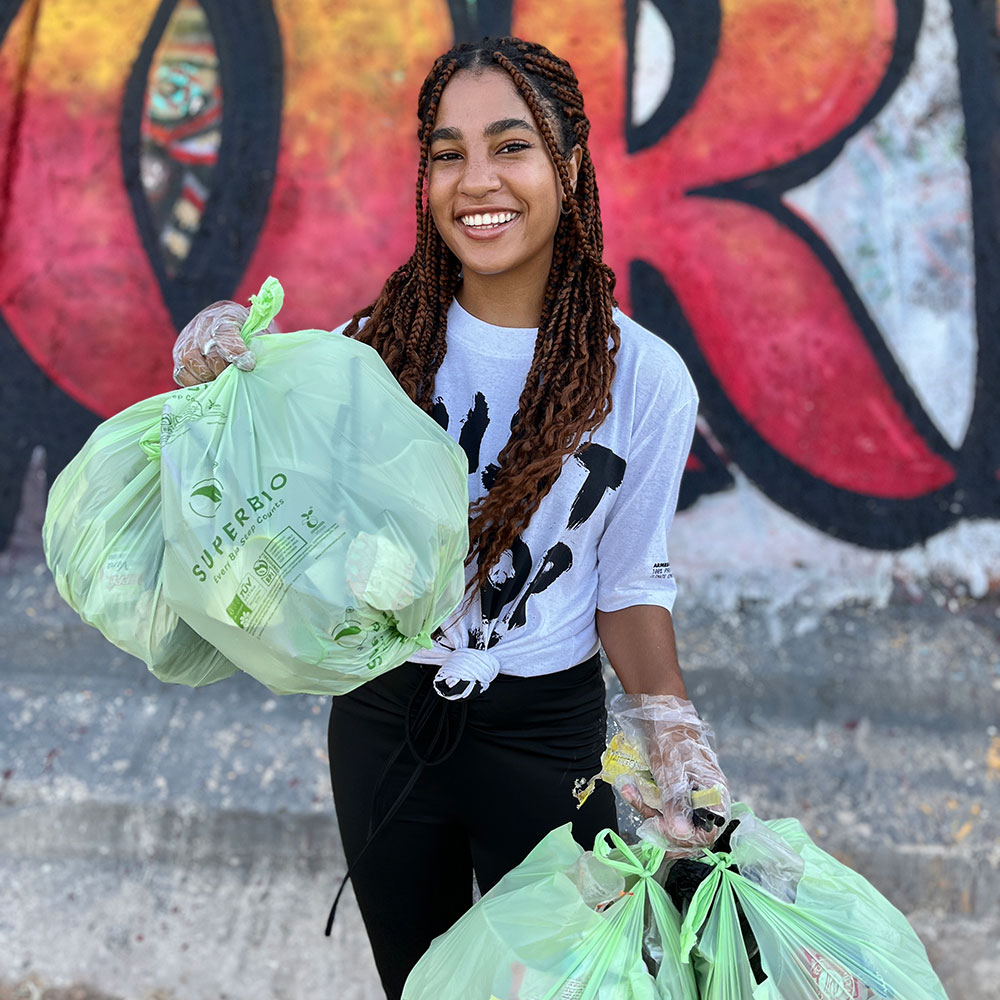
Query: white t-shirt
{"points": [[599, 537]]}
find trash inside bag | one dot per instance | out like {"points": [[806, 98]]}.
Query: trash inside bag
{"points": [[624, 763], [103, 541], [776, 918], [316, 519], [547, 930]]}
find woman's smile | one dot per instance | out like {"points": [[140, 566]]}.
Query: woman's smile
{"points": [[487, 224]]}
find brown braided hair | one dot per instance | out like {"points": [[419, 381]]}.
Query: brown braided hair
{"points": [[567, 393]]}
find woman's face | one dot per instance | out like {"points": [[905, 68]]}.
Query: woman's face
{"points": [[494, 193]]}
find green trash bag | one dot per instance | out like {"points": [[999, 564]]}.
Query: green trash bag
{"points": [[103, 541], [564, 925], [820, 930], [316, 520]]}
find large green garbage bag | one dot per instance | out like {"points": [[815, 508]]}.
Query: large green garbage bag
{"points": [[537, 936], [316, 520], [823, 931], [103, 541]]}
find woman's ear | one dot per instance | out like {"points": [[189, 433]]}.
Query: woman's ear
{"points": [[573, 162]]}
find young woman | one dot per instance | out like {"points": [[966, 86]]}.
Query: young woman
{"points": [[577, 423]]}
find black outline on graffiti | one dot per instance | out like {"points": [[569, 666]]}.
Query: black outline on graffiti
{"points": [[979, 78], [872, 521], [36, 410], [473, 21], [692, 64], [251, 69]]}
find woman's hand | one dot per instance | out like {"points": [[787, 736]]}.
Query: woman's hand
{"points": [[691, 803], [211, 342]]}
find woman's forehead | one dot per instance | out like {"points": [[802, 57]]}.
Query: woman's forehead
{"points": [[473, 99]]}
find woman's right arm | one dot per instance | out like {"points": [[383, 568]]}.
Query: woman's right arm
{"points": [[210, 342]]}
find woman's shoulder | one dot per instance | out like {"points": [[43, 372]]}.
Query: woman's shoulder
{"points": [[648, 362], [343, 326]]}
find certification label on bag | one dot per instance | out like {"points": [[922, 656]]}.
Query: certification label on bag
{"points": [[831, 980], [261, 591]]}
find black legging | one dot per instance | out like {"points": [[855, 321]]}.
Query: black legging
{"points": [[517, 751]]}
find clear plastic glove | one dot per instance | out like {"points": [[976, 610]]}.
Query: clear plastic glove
{"points": [[211, 342], [687, 805]]}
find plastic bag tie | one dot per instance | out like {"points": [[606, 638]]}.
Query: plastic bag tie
{"points": [[718, 859], [701, 901], [264, 306], [150, 443], [640, 859], [465, 673]]}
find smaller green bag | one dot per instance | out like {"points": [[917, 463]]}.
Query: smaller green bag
{"points": [[534, 935], [822, 930], [103, 541]]}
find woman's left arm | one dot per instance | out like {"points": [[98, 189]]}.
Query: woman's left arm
{"points": [[663, 724], [639, 643], [635, 590]]}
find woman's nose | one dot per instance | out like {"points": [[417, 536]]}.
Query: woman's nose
{"points": [[479, 176]]}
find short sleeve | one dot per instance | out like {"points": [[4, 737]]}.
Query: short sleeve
{"points": [[633, 563]]}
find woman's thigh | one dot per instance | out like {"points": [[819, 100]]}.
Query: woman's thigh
{"points": [[529, 746], [413, 880]]}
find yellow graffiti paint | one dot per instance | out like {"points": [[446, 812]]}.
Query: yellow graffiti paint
{"points": [[354, 70], [85, 48]]}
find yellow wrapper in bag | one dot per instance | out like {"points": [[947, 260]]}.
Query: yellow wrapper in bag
{"points": [[622, 764]]}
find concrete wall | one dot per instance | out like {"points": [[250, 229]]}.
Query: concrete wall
{"points": [[801, 196]]}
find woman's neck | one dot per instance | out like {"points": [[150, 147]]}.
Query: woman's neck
{"points": [[502, 299]]}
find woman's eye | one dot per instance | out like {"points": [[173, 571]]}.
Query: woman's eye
{"points": [[514, 147], [444, 157]]}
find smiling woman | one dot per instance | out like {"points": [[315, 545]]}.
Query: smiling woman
{"points": [[576, 423]]}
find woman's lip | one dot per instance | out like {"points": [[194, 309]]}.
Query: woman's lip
{"points": [[486, 233]]}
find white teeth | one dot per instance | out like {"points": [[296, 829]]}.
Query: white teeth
{"points": [[487, 221]]}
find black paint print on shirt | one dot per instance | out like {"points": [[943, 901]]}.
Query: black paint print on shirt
{"points": [[555, 562], [605, 471], [489, 476], [440, 413], [505, 595], [509, 582], [473, 428], [508, 579]]}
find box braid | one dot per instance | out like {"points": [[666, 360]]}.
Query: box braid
{"points": [[567, 393]]}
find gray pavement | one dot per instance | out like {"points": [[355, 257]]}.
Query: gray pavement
{"points": [[159, 843]]}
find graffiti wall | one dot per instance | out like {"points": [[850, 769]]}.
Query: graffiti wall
{"points": [[801, 196]]}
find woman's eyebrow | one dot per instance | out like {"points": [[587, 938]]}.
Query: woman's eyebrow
{"points": [[506, 125], [449, 133]]}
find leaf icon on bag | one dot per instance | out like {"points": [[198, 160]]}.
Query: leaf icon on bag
{"points": [[206, 497], [346, 634]]}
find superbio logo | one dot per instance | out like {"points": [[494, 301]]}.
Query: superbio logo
{"points": [[206, 497], [251, 511]]}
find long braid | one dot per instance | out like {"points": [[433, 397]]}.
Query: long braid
{"points": [[407, 322], [567, 393]]}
